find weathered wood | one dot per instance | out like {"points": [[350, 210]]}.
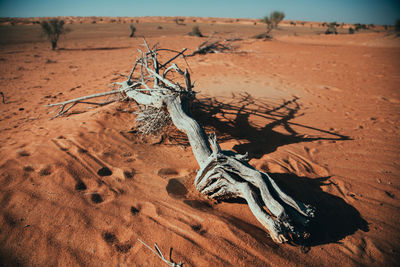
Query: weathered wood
{"points": [[222, 174]]}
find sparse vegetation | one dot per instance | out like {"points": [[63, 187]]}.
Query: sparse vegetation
{"points": [[53, 29], [332, 28], [272, 22], [133, 30], [359, 26], [351, 30], [267, 21], [179, 21], [276, 17], [196, 32], [397, 27]]}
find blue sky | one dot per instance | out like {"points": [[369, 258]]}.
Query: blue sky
{"points": [[351, 11]]}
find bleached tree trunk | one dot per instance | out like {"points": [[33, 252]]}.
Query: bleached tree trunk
{"points": [[222, 174]]}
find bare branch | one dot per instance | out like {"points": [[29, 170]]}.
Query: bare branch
{"points": [[161, 256], [222, 174]]}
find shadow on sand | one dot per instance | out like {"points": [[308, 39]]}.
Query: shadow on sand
{"points": [[231, 121], [335, 219]]}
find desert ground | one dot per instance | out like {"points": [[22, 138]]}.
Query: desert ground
{"points": [[320, 113]]}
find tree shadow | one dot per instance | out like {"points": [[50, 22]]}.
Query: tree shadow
{"points": [[334, 218], [232, 118], [261, 126]]}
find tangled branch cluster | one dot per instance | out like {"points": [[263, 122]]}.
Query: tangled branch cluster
{"points": [[151, 121]]}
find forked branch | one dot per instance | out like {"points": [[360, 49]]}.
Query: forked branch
{"points": [[222, 174]]}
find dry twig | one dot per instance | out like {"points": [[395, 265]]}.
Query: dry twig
{"points": [[215, 45], [161, 256]]}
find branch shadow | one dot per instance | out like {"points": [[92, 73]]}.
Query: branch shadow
{"points": [[231, 120], [334, 218]]}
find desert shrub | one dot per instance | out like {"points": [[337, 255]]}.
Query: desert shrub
{"points": [[273, 19], [397, 27], [267, 21], [159, 27], [276, 17], [196, 32], [351, 30], [331, 28], [359, 26], [133, 30], [264, 36], [179, 21], [53, 29]]}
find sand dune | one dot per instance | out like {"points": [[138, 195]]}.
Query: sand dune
{"points": [[319, 113]]}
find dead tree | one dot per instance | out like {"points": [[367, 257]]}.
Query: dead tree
{"points": [[212, 45], [222, 174]]}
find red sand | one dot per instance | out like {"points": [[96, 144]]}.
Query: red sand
{"points": [[318, 112]]}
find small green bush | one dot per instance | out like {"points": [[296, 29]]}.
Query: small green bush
{"points": [[53, 29], [359, 26], [351, 30], [331, 28]]}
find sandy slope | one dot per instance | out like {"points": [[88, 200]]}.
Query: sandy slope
{"points": [[319, 113]]}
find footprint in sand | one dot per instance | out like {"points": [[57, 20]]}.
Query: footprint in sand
{"points": [[80, 186], [23, 153], [135, 211], [167, 172], [129, 174], [46, 171], [198, 228], [113, 241], [198, 204], [96, 198], [104, 172], [176, 189], [110, 238], [28, 169]]}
